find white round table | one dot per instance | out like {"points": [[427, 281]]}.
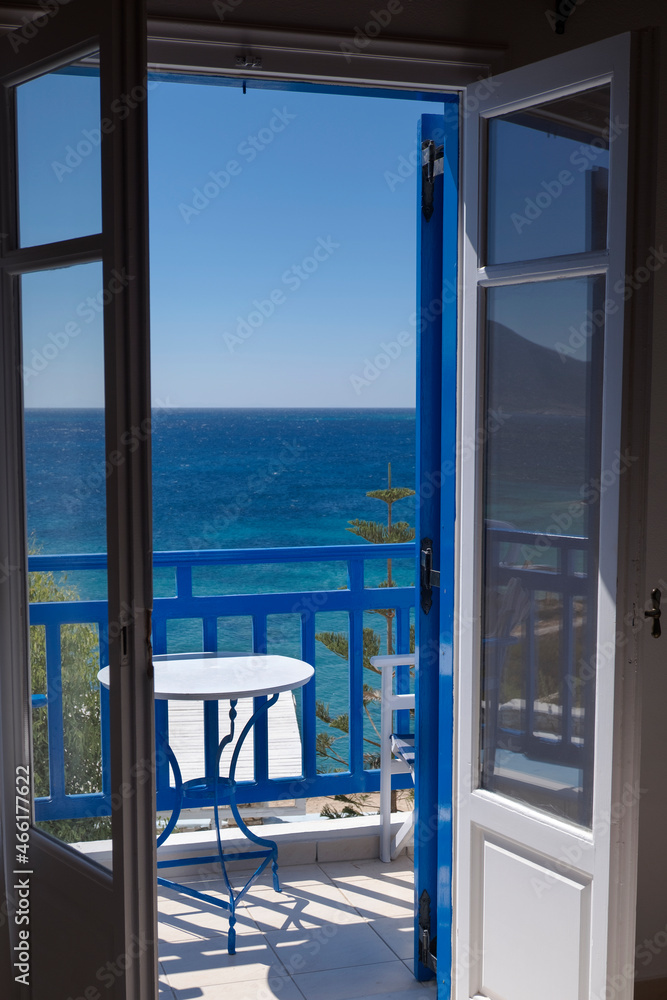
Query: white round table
{"points": [[209, 677], [196, 677]]}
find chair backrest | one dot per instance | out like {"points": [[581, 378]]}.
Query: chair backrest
{"points": [[513, 556], [506, 610]]}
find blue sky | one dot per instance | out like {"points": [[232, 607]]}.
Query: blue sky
{"points": [[282, 228], [282, 244]]}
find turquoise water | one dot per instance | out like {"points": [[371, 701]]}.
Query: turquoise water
{"points": [[223, 478]]}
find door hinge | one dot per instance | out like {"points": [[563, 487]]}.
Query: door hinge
{"points": [[428, 577], [433, 163], [427, 944]]}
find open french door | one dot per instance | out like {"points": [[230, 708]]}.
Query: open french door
{"points": [[543, 895], [437, 243], [74, 299]]}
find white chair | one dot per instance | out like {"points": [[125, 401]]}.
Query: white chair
{"points": [[397, 751]]}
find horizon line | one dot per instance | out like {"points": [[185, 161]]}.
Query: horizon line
{"points": [[101, 409]]}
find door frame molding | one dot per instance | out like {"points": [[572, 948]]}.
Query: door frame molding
{"points": [[634, 488], [212, 48], [317, 57]]}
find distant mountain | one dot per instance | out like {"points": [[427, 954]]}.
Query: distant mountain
{"points": [[528, 378]]}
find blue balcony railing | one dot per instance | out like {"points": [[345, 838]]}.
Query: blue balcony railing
{"points": [[354, 600], [549, 574]]}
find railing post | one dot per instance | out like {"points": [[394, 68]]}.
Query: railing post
{"points": [[261, 729], [184, 581], [531, 673], [161, 709], [308, 699], [54, 693], [403, 671], [385, 762], [355, 582], [211, 708], [568, 648]]}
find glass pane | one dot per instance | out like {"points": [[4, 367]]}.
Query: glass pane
{"points": [[541, 493], [63, 378], [59, 165], [548, 178]]}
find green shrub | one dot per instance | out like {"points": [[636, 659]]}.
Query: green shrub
{"points": [[79, 646]]}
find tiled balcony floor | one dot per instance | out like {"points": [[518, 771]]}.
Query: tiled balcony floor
{"points": [[337, 931]]}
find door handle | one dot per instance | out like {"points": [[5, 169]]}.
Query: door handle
{"points": [[655, 613]]}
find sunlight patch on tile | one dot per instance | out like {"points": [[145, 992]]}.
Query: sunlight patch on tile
{"points": [[386, 979]]}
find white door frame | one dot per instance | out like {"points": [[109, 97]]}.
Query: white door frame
{"points": [[615, 744], [213, 49]]}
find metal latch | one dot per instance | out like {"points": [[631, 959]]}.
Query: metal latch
{"points": [[427, 945], [428, 577], [248, 62], [433, 164], [655, 613]]}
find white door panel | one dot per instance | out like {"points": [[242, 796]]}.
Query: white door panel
{"points": [[545, 178], [524, 942], [547, 836]]}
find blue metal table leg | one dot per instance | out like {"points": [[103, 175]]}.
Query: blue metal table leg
{"points": [[231, 936], [176, 811], [269, 847]]}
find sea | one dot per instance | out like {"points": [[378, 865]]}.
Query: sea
{"points": [[232, 478], [261, 478], [223, 478]]}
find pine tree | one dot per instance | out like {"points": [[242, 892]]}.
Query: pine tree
{"points": [[337, 642], [383, 534]]}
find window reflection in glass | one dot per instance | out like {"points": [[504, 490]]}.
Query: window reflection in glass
{"points": [[59, 163], [548, 178], [541, 494]]}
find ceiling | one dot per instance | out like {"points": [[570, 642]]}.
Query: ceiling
{"points": [[434, 20]]}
